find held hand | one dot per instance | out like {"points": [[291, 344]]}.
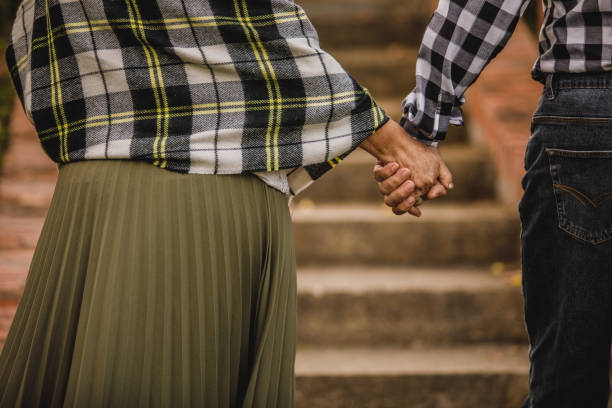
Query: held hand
{"points": [[393, 183], [444, 182], [397, 188], [414, 171], [391, 143]]}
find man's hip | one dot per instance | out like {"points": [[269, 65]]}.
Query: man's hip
{"points": [[566, 213]]}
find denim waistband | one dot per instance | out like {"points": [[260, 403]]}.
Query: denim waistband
{"points": [[587, 80], [580, 80]]}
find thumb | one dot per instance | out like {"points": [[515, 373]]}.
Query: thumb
{"points": [[436, 191], [446, 177]]}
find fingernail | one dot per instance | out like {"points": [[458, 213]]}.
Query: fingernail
{"points": [[451, 186], [404, 171], [394, 166]]}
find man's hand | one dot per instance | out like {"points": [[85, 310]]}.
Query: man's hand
{"points": [[397, 189], [413, 171]]}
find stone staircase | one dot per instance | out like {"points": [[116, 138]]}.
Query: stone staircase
{"points": [[393, 311], [398, 311]]}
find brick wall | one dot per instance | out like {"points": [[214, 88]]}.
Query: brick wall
{"points": [[499, 110]]}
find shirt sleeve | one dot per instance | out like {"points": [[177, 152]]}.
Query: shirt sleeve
{"points": [[462, 37]]}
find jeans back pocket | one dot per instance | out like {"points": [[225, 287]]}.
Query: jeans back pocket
{"points": [[582, 182]]}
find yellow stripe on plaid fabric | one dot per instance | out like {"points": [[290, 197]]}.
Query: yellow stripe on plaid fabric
{"points": [[278, 100], [202, 109], [179, 20], [340, 97], [56, 91], [166, 122], [335, 161], [107, 121], [157, 84], [264, 72], [170, 24], [376, 111]]}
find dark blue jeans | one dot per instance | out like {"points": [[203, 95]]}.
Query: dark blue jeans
{"points": [[566, 213]]}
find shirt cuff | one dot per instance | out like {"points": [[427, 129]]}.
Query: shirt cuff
{"points": [[428, 121], [417, 134]]}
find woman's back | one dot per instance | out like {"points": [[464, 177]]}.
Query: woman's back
{"points": [[210, 87]]}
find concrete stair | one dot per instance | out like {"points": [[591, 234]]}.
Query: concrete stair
{"points": [[386, 70], [346, 23], [473, 233], [458, 377], [398, 311], [407, 307]]}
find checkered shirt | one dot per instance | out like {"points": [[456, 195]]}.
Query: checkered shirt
{"points": [[465, 35], [193, 86]]}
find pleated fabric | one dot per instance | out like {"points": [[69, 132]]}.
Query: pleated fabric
{"points": [[150, 288]]}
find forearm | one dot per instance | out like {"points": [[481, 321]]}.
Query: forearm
{"points": [[457, 45], [387, 142]]}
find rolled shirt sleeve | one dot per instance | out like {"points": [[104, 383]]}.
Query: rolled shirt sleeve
{"points": [[461, 39]]}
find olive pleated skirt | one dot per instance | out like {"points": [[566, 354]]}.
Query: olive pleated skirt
{"points": [[154, 288]]}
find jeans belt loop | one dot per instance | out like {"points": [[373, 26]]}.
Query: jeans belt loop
{"points": [[550, 91]]}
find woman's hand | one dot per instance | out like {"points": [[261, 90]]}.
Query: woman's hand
{"points": [[397, 188], [391, 143], [415, 162]]}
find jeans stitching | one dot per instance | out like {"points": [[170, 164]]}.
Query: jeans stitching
{"points": [[569, 119], [564, 223], [581, 87], [584, 198], [558, 202], [603, 198], [580, 154]]}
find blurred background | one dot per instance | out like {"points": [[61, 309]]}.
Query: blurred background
{"points": [[403, 312]]}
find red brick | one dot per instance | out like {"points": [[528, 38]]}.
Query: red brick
{"points": [[14, 267], [19, 233]]}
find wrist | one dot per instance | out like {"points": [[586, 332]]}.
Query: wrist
{"points": [[383, 143]]}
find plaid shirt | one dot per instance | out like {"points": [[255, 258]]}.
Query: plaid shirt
{"points": [[464, 36], [206, 86]]}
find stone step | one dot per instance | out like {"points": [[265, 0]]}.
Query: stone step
{"points": [[388, 72], [405, 307], [476, 233], [470, 377], [345, 23], [374, 306], [353, 179]]}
